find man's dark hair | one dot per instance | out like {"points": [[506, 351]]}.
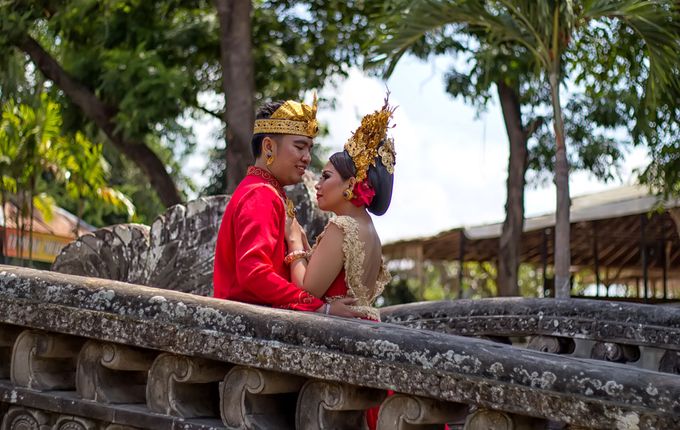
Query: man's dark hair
{"points": [[378, 177], [265, 111]]}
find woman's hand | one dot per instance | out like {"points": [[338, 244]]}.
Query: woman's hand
{"points": [[305, 241], [341, 308]]}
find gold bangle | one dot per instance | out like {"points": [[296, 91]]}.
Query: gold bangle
{"points": [[295, 255]]}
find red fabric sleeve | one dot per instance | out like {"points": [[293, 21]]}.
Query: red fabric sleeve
{"points": [[258, 225]]}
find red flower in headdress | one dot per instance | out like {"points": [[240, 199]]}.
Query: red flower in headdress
{"points": [[363, 194]]}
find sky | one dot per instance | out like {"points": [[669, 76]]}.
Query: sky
{"points": [[451, 163]]}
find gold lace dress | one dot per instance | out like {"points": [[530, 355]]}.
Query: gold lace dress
{"points": [[349, 282]]}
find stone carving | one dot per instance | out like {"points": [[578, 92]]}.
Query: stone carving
{"points": [[44, 361], [176, 253], [117, 252], [545, 344], [381, 356], [258, 399], [551, 344], [119, 427], [484, 419], [670, 362], [578, 325], [182, 246], [74, 423], [403, 412], [185, 387], [307, 212], [327, 405], [19, 418], [615, 352], [111, 373]]}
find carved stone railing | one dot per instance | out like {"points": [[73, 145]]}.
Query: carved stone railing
{"points": [[175, 253], [85, 353], [644, 336], [81, 353]]}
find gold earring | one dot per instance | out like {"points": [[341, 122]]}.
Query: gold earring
{"points": [[269, 158], [348, 194]]}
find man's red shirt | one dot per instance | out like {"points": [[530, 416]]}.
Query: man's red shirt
{"points": [[251, 246]]}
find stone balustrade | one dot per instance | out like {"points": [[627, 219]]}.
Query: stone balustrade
{"points": [[91, 352], [644, 336], [86, 353]]}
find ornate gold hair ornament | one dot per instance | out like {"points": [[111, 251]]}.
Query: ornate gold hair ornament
{"points": [[364, 145], [290, 118]]}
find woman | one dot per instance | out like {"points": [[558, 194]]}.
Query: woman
{"points": [[346, 260]]}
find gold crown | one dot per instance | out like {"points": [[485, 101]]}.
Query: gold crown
{"points": [[364, 145], [290, 118]]}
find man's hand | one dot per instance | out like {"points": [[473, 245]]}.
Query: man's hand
{"points": [[341, 308], [294, 234]]}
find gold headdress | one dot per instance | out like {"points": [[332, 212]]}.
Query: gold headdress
{"points": [[290, 118], [364, 145]]}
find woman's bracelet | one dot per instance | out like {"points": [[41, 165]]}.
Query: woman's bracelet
{"points": [[327, 308], [295, 255]]}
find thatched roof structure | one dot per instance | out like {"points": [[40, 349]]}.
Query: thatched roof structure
{"points": [[627, 233]]}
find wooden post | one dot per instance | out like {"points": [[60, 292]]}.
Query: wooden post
{"points": [[544, 258], [420, 273], [596, 260], [461, 262], [607, 282], [666, 253], [643, 251]]}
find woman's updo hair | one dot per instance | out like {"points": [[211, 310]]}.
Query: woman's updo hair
{"points": [[378, 177]]}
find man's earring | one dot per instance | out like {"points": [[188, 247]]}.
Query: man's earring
{"points": [[269, 158]]}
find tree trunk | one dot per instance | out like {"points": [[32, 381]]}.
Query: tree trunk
{"points": [[238, 83], [3, 236], [103, 116], [31, 213], [21, 227], [511, 236], [562, 235]]}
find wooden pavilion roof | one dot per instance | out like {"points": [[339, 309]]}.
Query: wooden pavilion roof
{"points": [[612, 225]]}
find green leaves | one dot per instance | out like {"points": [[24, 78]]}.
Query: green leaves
{"points": [[622, 56], [657, 25], [28, 139], [149, 61], [116, 199], [45, 204], [152, 90], [38, 160]]}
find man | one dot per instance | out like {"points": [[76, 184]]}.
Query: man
{"points": [[251, 245]]}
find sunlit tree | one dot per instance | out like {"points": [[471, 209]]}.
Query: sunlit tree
{"points": [[546, 30]]}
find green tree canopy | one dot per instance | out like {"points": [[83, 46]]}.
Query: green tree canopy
{"points": [[551, 42], [38, 162], [138, 68]]}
